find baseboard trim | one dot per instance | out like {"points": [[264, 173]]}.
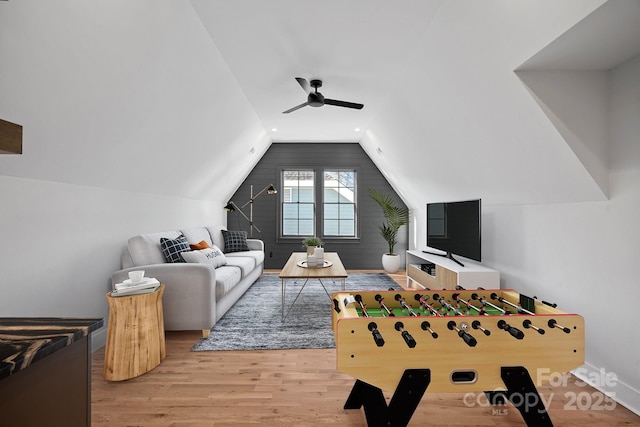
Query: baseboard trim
{"points": [[98, 339], [619, 391]]}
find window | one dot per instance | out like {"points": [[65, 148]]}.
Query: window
{"points": [[339, 203], [334, 190], [298, 203]]}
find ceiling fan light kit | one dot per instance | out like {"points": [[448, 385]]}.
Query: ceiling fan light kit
{"points": [[316, 99]]}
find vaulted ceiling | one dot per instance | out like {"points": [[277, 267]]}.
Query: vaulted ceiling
{"points": [[493, 99]]}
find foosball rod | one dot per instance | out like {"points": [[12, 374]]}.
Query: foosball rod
{"points": [[480, 311], [373, 327], [363, 307], [527, 324], [447, 306], [516, 306], [406, 306], [426, 326], [380, 300], [477, 325], [553, 324], [484, 302], [422, 300]]}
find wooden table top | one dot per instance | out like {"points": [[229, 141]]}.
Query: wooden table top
{"points": [[292, 271]]}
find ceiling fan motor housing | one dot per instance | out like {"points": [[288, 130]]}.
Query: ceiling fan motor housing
{"points": [[315, 99]]}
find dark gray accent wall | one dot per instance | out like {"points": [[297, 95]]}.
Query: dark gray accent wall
{"points": [[366, 252]]}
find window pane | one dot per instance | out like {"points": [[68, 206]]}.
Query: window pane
{"points": [[331, 228], [306, 195], [339, 198], [305, 211], [290, 211], [330, 211], [290, 227], [298, 201], [346, 228], [306, 228], [331, 195], [347, 211]]}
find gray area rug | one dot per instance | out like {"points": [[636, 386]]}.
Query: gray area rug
{"points": [[254, 322]]}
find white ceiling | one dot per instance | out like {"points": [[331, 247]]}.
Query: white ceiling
{"points": [[358, 48], [199, 85], [362, 49]]}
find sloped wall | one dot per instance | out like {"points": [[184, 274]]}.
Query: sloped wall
{"points": [[583, 256]]}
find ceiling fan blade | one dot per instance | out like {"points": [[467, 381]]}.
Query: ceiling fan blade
{"points": [[297, 107], [305, 84], [343, 104]]}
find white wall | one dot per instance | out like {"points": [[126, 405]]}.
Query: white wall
{"points": [[584, 256], [124, 133], [61, 242]]}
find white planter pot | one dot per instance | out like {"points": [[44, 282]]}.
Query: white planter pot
{"points": [[391, 263]]}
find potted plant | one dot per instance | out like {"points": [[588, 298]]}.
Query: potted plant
{"points": [[310, 243], [395, 217]]}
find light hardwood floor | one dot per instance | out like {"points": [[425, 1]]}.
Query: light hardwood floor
{"points": [[297, 388]]}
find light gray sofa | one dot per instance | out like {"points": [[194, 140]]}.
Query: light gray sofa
{"points": [[196, 295]]}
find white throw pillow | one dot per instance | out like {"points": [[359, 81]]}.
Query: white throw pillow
{"points": [[212, 255]]}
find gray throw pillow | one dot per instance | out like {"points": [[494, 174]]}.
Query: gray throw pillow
{"points": [[235, 241]]}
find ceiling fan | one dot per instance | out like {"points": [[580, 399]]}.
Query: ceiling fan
{"points": [[316, 99]]}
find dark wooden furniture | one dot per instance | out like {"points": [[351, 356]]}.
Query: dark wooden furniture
{"points": [[45, 376]]}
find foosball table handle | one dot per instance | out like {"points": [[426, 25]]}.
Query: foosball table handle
{"points": [[377, 336], [514, 332], [405, 335]]}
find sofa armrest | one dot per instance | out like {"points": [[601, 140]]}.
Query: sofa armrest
{"points": [[255, 244], [189, 301]]}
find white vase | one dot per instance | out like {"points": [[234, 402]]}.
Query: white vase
{"points": [[391, 263], [319, 254]]}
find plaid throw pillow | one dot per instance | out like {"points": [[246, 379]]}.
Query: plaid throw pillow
{"points": [[235, 241], [171, 248]]}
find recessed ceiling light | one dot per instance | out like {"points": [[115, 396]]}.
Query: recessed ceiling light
{"points": [[274, 129], [357, 129]]}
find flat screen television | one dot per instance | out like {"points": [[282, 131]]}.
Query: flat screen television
{"points": [[455, 228]]}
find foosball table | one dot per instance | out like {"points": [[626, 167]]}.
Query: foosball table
{"points": [[492, 341]]}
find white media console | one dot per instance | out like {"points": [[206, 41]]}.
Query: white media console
{"points": [[447, 274]]}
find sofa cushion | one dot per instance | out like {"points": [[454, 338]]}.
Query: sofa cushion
{"points": [[171, 248], [216, 235], [245, 263], [227, 277], [145, 248], [235, 241], [258, 256], [197, 234], [213, 256]]}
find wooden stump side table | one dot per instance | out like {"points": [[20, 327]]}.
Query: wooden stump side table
{"points": [[135, 335]]}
